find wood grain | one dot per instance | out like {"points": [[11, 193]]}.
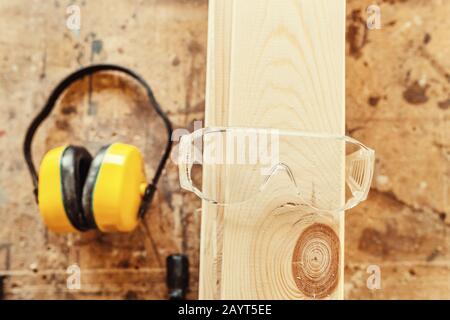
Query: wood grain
{"points": [[216, 102], [276, 64]]}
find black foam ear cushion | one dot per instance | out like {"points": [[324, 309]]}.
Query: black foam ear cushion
{"points": [[75, 163], [89, 185]]}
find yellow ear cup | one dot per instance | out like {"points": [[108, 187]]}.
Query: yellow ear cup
{"points": [[61, 180], [113, 189], [50, 197]]}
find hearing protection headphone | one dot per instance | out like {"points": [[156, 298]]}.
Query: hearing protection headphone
{"points": [[78, 192]]}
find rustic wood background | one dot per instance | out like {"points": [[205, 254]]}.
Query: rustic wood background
{"points": [[398, 101]]}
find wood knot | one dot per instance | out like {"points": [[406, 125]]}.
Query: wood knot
{"points": [[315, 263]]}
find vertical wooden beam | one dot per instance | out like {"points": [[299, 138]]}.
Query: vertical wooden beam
{"points": [[217, 97], [279, 64]]}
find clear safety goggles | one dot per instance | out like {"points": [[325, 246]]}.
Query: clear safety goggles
{"points": [[242, 162]]}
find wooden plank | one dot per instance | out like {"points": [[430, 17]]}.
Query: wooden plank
{"points": [[273, 64], [216, 98]]}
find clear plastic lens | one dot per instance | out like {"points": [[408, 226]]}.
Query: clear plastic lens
{"points": [[239, 163]]}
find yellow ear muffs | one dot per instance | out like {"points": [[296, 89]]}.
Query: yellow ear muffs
{"points": [[114, 188], [115, 194], [62, 175]]}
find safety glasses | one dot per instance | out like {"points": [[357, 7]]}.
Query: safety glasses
{"points": [[242, 162]]}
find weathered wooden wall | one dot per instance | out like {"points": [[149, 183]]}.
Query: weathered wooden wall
{"points": [[398, 101], [165, 41]]}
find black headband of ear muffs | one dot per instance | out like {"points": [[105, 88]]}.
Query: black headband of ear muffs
{"points": [[49, 106]]}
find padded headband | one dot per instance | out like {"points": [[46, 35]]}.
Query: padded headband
{"points": [[51, 102]]}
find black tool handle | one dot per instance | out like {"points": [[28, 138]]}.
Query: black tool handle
{"points": [[177, 276]]}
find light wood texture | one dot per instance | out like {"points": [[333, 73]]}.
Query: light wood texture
{"points": [[217, 100], [279, 64]]}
